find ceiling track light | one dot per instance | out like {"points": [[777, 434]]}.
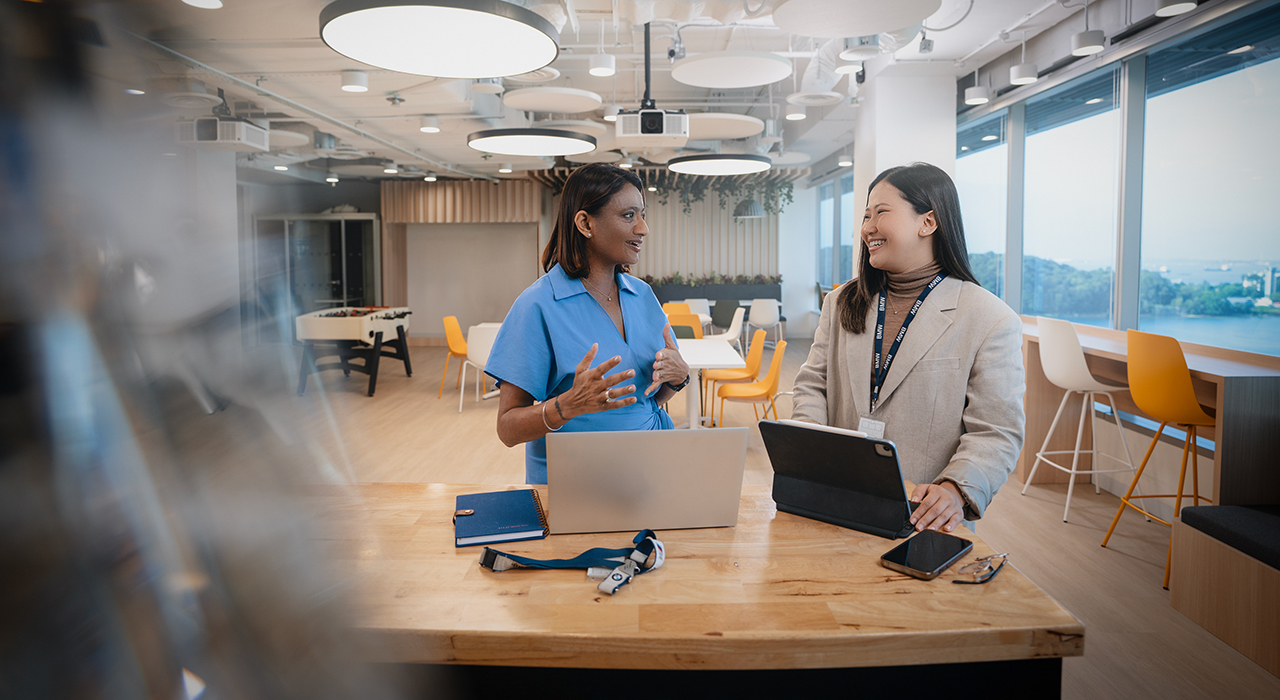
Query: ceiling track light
{"points": [[1173, 8], [355, 81], [795, 113], [531, 142], [1090, 41], [429, 125], [720, 164], [441, 38]]}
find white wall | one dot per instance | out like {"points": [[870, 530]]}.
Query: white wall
{"points": [[472, 271], [798, 263]]}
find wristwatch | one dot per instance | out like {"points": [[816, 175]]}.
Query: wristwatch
{"points": [[681, 385]]}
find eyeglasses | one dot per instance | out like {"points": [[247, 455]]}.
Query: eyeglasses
{"points": [[983, 569]]}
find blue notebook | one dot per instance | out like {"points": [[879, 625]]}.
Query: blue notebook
{"points": [[498, 516]]}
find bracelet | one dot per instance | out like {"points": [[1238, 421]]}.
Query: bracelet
{"points": [[544, 419]]}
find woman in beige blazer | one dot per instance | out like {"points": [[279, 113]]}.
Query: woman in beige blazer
{"points": [[951, 399]]}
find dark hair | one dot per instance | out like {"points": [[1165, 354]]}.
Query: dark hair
{"points": [[589, 189], [927, 188]]}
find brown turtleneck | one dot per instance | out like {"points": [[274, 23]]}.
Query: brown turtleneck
{"points": [[903, 289]]}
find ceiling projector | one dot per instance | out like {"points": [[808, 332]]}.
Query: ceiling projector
{"points": [[652, 128]]}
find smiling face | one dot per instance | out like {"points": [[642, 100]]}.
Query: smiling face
{"points": [[616, 234], [896, 237]]}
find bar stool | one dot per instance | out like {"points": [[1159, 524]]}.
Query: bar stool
{"points": [[1064, 366], [1160, 384]]}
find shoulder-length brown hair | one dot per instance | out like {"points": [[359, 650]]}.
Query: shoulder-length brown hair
{"points": [[927, 188], [589, 189]]}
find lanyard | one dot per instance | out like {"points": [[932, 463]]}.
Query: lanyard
{"points": [[879, 371], [615, 566]]}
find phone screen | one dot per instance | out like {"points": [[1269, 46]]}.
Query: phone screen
{"points": [[927, 551]]}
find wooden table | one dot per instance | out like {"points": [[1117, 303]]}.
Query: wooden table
{"points": [[1244, 396], [699, 354], [775, 592]]}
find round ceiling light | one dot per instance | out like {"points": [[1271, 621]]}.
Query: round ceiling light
{"points": [[355, 81], [1024, 74], [611, 113], [442, 38], [978, 95], [531, 142], [1088, 42], [487, 86], [815, 98], [544, 74], [561, 100], [848, 68], [1172, 8], [731, 69], [720, 164], [723, 125], [429, 125], [833, 19], [795, 113], [845, 160]]}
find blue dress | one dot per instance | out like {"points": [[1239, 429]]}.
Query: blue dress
{"points": [[548, 331]]}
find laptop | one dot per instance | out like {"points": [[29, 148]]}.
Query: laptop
{"points": [[637, 479], [838, 476]]}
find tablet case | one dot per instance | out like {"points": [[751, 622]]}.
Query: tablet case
{"points": [[840, 479]]}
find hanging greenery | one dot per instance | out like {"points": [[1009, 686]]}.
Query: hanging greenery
{"points": [[773, 189]]}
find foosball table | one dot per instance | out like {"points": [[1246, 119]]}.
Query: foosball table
{"points": [[366, 333]]}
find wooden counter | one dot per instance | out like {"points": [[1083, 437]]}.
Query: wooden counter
{"points": [[775, 592], [1242, 390]]}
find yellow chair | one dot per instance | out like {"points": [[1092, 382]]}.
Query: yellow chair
{"points": [[755, 353], [762, 391], [457, 348], [676, 307], [1160, 385], [690, 321]]}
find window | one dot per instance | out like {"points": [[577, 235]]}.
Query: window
{"points": [[1210, 242], [850, 224], [982, 179], [1070, 200], [826, 224]]}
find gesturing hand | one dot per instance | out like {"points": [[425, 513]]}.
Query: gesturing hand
{"points": [[592, 391], [669, 365]]}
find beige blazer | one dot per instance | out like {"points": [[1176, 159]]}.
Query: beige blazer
{"points": [[952, 402]]}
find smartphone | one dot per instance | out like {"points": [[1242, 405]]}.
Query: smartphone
{"points": [[927, 554]]}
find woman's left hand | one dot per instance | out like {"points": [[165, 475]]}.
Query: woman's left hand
{"points": [[669, 366], [941, 507]]}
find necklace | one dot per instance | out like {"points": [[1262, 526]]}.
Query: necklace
{"points": [[606, 296]]}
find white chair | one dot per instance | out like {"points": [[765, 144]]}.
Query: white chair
{"points": [[701, 307], [733, 335], [765, 314], [1063, 362], [479, 343]]}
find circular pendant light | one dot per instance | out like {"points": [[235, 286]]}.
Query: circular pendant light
{"points": [[720, 164], [1024, 74], [442, 38], [1088, 42], [731, 69], [531, 142], [1172, 8]]}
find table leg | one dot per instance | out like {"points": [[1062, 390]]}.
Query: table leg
{"points": [[305, 367], [372, 362], [693, 403], [403, 349]]}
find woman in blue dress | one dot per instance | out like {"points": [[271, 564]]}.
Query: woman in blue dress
{"points": [[586, 307]]}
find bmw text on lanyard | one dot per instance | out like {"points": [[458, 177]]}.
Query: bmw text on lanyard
{"points": [[879, 371]]}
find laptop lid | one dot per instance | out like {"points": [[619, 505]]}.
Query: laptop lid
{"points": [[837, 476], [631, 480]]}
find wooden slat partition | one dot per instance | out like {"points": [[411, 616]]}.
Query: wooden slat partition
{"points": [[707, 239], [461, 202]]}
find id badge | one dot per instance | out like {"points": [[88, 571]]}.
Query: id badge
{"points": [[873, 428]]}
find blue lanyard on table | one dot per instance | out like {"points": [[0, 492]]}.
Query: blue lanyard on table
{"points": [[615, 566], [881, 371]]}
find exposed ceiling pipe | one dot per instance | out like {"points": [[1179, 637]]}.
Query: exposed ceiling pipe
{"points": [[316, 114], [820, 75], [1011, 28]]}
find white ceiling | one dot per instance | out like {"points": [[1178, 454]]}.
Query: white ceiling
{"points": [[274, 44]]}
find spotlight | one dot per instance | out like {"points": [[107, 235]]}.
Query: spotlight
{"points": [[282, 167], [1024, 74], [505, 168], [627, 163], [611, 113], [431, 177], [391, 169], [603, 65], [990, 137], [652, 188], [795, 113], [331, 178], [430, 125], [355, 81], [845, 160], [977, 95]]}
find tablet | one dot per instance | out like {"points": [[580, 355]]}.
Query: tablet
{"points": [[837, 476]]}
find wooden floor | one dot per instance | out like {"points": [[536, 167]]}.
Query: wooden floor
{"points": [[1136, 645]]}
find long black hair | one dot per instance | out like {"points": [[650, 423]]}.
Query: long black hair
{"points": [[928, 189], [589, 189]]}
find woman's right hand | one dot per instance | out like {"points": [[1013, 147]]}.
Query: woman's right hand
{"points": [[593, 391]]}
